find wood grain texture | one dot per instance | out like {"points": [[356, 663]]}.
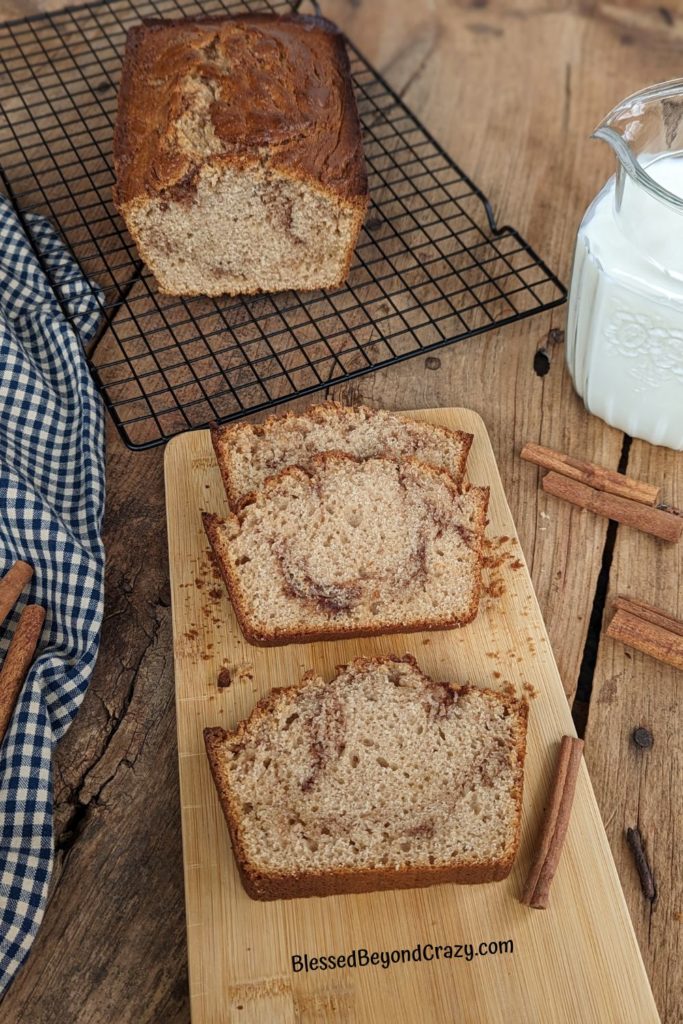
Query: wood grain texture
{"points": [[577, 961], [642, 787], [512, 89], [23, 8]]}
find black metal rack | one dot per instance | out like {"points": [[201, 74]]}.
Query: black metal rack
{"points": [[431, 267]]}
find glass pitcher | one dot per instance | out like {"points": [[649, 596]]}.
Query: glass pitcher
{"points": [[625, 317]]}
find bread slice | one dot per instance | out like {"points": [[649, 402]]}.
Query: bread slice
{"points": [[247, 454], [379, 779], [352, 547]]}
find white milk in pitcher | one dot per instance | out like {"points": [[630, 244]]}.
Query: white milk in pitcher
{"points": [[625, 320]]}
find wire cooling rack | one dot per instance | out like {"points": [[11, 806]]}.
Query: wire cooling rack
{"points": [[431, 267]]}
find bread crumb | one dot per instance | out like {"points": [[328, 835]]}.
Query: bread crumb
{"points": [[213, 566], [530, 690], [229, 674], [245, 672], [495, 587], [427, 641], [496, 675], [495, 555]]}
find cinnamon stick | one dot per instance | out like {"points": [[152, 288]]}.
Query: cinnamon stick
{"points": [[536, 892], [650, 614], [599, 477], [18, 660], [11, 585], [648, 637], [654, 521]]}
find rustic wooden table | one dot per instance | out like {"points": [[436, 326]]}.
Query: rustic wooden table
{"points": [[512, 89]]}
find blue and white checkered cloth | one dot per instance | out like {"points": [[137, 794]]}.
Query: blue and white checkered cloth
{"points": [[51, 507]]}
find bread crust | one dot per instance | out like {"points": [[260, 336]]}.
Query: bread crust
{"points": [[297, 135], [223, 435], [277, 637], [264, 885]]}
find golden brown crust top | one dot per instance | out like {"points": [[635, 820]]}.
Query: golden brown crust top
{"points": [[228, 441], [233, 92]]}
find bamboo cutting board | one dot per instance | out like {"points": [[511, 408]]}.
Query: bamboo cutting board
{"points": [[577, 961]]}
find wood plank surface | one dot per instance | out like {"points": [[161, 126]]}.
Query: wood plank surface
{"points": [[577, 961], [643, 787], [512, 90]]}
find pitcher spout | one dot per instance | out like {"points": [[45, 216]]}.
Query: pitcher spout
{"points": [[641, 128], [617, 140]]}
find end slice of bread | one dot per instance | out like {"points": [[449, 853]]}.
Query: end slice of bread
{"points": [[352, 547], [247, 454], [242, 232], [379, 779]]}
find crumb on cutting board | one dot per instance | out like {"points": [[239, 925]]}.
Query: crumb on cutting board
{"points": [[496, 554], [229, 674], [213, 567]]}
